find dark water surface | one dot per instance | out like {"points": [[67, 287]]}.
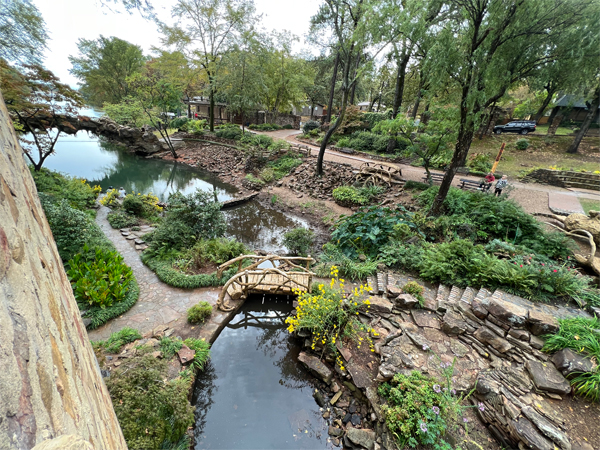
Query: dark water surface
{"points": [[255, 394], [106, 164]]}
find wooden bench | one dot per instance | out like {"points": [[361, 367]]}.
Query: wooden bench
{"points": [[435, 177], [471, 185]]}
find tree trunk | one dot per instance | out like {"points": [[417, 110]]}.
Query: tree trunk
{"points": [[556, 121], [398, 96], [417, 102], [353, 77], [332, 89], [312, 111], [50, 380], [211, 110], [463, 144], [545, 104], [329, 133], [593, 110]]}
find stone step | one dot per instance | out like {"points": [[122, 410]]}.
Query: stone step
{"points": [[483, 296], [442, 298], [455, 295], [381, 283], [468, 295], [372, 281]]}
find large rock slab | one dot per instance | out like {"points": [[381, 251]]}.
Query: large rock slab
{"points": [[542, 323], [528, 433], [380, 305], [64, 442], [362, 437], [406, 301], [488, 337], [510, 313], [547, 378], [425, 318], [186, 355], [568, 362], [547, 428], [316, 366], [453, 324]]}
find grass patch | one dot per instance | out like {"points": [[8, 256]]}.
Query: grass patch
{"points": [[560, 131], [117, 340], [589, 204]]}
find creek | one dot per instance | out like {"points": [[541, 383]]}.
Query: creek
{"points": [[254, 394], [109, 165]]}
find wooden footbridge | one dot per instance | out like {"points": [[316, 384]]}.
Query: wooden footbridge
{"points": [[285, 275]]}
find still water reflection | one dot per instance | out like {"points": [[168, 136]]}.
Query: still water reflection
{"points": [[254, 393]]}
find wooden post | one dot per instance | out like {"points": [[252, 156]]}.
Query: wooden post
{"points": [[498, 158]]}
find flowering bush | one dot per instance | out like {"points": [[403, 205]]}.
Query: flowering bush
{"points": [[330, 315], [420, 409], [110, 199]]}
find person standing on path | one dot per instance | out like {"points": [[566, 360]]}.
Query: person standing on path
{"points": [[501, 184]]}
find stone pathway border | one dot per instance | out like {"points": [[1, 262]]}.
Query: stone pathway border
{"points": [[159, 305]]}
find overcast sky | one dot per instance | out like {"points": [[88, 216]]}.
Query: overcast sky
{"points": [[69, 20]]}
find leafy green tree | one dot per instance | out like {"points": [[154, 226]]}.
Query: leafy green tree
{"points": [[484, 49], [37, 101], [129, 112], [157, 96], [23, 33], [204, 32], [103, 66]]}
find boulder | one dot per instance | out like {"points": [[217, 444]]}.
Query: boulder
{"points": [[316, 366], [536, 342], [453, 323], [547, 378], [425, 318], [186, 355], [381, 305], [542, 323], [479, 308], [529, 434], [507, 312], [521, 335], [547, 428], [488, 337], [393, 291], [362, 437], [406, 301], [568, 362], [335, 431]]}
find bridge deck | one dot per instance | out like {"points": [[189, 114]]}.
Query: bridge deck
{"points": [[258, 283]]}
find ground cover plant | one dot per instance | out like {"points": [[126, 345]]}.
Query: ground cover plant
{"points": [[188, 239], [352, 196], [420, 409], [133, 210], [103, 285], [481, 241], [582, 335], [265, 127], [299, 241], [199, 312]]}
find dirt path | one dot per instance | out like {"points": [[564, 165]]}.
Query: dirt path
{"points": [[534, 198]]}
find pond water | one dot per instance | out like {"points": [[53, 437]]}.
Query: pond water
{"points": [[254, 393], [107, 165]]}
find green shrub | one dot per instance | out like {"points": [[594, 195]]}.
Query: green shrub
{"points": [[167, 274], [314, 132], [170, 346], [216, 251], [179, 123], [265, 127], [133, 204], [299, 241], [416, 290], [199, 312], [254, 181], [72, 228], [310, 125], [287, 126], [365, 231], [420, 409], [79, 194], [278, 145], [99, 316], [142, 205], [99, 277], [230, 133], [262, 141], [581, 335], [522, 144], [348, 196], [343, 142], [202, 349], [283, 165], [188, 218], [416, 186], [349, 268], [267, 175], [160, 417], [117, 340], [120, 219], [479, 162]]}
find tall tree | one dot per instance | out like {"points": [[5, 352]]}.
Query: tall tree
{"points": [[489, 46], [37, 100], [23, 33], [204, 32], [103, 66]]}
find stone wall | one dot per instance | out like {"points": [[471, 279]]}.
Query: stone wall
{"points": [[565, 178], [50, 383]]}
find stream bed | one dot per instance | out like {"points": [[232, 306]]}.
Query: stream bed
{"points": [[254, 394]]}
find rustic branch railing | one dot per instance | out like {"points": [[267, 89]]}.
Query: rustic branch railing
{"points": [[271, 280]]}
